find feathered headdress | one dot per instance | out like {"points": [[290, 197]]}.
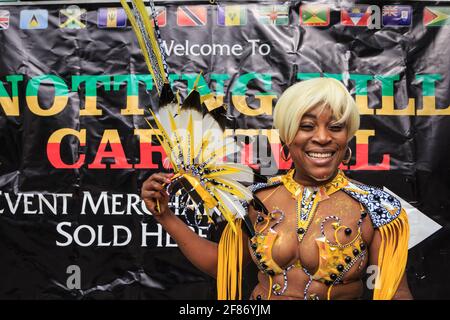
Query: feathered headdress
{"points": [[196, 147], [194, 142]]}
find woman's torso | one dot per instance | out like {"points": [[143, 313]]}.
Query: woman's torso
{"points": [[299, 259]]}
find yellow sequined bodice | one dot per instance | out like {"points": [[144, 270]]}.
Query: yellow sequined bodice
{"points": [[335, 258]]}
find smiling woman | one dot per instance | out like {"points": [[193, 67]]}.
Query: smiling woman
{"points": [[316, 119], [334, 242], [312, 232]]}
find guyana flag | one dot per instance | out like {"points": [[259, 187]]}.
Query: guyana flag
{"points": [[436, 16], [314, 15]]}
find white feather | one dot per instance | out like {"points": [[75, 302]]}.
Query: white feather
{"points": [[232, 203]]}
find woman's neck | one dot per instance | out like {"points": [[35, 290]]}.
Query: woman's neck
{"points": [[308, 181]]}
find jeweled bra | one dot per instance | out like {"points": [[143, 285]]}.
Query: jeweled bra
{"points": [[336, 258]]}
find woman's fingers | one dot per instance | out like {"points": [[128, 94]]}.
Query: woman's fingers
{"points": [[157, 181], [154, 194], [162, 177]]}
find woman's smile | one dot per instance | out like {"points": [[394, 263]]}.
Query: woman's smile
{"points": [[319, 146]]}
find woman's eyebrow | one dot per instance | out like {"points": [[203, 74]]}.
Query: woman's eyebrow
{"points": [[309, 115]]}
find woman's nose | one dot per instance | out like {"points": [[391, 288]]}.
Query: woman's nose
{"points": [[322, 136]]}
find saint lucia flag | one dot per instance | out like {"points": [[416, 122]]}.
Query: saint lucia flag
{"points": [[33, 19]]}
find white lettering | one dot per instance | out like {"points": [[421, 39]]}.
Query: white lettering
{"points": [[64, 196], [146, 234], [132, 201], [100, 237], [27, 202], [92, 235], [60, 230], [95, 207], [116, 203], [116, 229], [42, 199], [215, 49]]}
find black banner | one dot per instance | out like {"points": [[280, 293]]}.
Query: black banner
{"points": [[75, 146]]}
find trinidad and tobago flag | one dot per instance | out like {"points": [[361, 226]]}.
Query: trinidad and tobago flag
{"points": [[191, 16]]}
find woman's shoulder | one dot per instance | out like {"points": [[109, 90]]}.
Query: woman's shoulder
{"points": [[260, 190], [382, 206], [269, 184]]}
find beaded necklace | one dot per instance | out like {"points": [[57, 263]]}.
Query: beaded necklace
{"points": [[308, 198]]}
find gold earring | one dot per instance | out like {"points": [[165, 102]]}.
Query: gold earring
{"points": [[346, 161], [282, 154]]}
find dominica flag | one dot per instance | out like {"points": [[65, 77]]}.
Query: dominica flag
{"points": [[161, 15], [4, 19], [314, 15], [33, 19], [357, 16], [234, 15], [273, 14], [436, 16], [192, 16], [111, 18], [72, 18]]}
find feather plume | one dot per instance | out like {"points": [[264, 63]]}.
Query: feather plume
{"points": [[197, 147]]}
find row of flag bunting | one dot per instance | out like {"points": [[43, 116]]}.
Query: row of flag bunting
{"points": [[74, 17]]}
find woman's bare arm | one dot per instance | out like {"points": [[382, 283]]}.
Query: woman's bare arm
{"points": [[201, 252]]}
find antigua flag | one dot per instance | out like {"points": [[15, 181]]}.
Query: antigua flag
{"points": [[357, 16]]}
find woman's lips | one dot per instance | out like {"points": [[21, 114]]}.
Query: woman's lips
{"points": [[320, 158]]}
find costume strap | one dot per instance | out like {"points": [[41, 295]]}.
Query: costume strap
{"points": [[392, 257], [229, 265]]}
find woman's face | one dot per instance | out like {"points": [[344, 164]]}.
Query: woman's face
{"points": [[319, 147]]}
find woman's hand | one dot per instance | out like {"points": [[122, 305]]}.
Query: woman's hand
{"points": [[153, 192]]}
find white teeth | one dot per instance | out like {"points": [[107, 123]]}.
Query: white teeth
{"points": [[319, 155]]}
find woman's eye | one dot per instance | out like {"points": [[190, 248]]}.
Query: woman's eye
{"points": [[336, 127], [306, 126]]}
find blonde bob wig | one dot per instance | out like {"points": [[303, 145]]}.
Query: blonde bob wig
{"points": [[304, 96]]}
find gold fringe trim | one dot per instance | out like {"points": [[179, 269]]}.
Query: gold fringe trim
{"points": [[392, 257], [229, 265]]}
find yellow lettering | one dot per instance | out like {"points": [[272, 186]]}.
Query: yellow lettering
{"points": [[429, 108], [265, 105], [363, 105], [59, 103], [90, 109], [132, 107], [387, 108]]}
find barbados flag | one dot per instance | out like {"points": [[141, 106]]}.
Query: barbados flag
{"points": [[234, 15], [111, 18]]}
